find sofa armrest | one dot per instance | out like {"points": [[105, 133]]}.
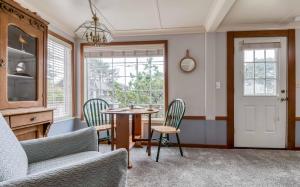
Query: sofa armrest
{"points": [[108, 169], [46, 148]]}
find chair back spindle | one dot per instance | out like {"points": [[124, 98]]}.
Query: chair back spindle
{"points": [[175, 113], [92, 112]]}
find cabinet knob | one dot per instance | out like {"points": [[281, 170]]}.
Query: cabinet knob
{"points": [[33, 118], [2, 63]]}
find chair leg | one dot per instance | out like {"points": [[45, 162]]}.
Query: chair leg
{"points": [[107, 133], [150, 140], [98, 135], [158, 149], [179, 145]]}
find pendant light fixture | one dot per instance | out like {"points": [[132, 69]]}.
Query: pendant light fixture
{"points": [[94, 32]]}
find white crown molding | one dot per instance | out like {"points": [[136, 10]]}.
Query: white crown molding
{"points": [[54, 25], [251, 27], [164, 31]]}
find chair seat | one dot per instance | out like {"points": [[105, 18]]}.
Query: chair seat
{"points": [[103, 127], [60, 162], [165, 129]]}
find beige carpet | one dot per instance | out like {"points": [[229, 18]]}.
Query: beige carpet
{"points": [[214, 167]]}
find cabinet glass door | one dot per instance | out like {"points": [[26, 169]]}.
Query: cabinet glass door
{"points": [[21, 66]]}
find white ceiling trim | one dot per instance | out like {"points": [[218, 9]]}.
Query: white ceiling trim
{"points": [[218, 11], [251, 27], [163, 31]]}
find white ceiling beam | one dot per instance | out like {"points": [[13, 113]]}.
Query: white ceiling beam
{"points": [[157, 12], [217, 13]]}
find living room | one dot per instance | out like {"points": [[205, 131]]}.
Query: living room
{"points": [[147, 93]]}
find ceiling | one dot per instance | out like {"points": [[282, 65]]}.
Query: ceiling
{"points": [[148, 17], [266, 14]]}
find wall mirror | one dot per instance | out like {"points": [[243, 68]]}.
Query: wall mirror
{"points": [[187, 63]]}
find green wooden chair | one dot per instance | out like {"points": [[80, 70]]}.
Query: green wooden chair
{"points": [[94, 118], [171, 125]]}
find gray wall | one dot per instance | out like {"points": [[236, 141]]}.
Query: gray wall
{"points": [[198, 88], [298, 134], [208, 132]]}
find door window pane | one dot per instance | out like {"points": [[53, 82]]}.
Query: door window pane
{"points": [[260, 70], [248, 56], [259, 86], [271, 55], [271, 70], [271, 87], [249, 87], [249, 70], [260, 77], [259, 55]]}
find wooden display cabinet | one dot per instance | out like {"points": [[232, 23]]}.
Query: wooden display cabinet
{"points": [[23, 54]]}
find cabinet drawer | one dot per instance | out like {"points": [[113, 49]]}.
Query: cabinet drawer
{"points": [[27, 119]]}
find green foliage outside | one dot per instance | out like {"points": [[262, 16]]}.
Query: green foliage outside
{"points": [[143, 89]]}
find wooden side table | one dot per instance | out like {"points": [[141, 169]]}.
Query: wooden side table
{"points": [[123, 137]]}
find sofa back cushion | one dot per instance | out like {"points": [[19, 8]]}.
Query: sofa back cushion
{"points": [[13, 159]]}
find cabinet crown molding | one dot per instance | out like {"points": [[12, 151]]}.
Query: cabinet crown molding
{"points": [[15, 9]]}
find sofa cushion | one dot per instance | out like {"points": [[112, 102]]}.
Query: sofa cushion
{"points": [[13, 159], [61, 162]]}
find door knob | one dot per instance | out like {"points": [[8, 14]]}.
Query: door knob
{"points": [[283, 99], [2, 63]]}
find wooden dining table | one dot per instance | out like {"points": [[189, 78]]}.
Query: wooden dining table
{"points": [[124, 138]]}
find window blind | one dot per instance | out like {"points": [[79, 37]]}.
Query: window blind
{"points": [[59, 77], [125, 51], [269, 45]]}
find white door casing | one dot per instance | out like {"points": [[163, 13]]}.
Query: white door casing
{"points": [[260, 85]]}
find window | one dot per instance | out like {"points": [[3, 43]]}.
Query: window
{"points": [[125, 75], [59, 77], [260, 72]]}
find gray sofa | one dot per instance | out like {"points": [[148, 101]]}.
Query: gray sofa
{"points": [[65, 160]]}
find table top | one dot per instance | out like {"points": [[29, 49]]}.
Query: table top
{"points": [[17, 111], [130, 111]]}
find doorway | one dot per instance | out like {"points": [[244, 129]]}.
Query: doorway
{"points": [[290, 82], [260, 92]]}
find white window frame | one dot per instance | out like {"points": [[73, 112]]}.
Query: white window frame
{"points": [[67, 109], [130, 47]]}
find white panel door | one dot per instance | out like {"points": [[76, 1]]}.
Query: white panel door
{"points": [[260, 92]]}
